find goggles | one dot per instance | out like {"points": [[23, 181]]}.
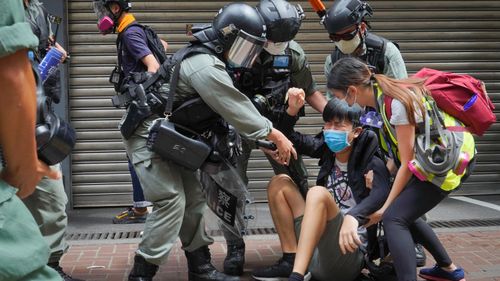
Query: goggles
{"points": [[345, 36], [245, 50]]}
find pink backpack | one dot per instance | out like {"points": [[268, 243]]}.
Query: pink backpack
{"points": [[462, 96]]}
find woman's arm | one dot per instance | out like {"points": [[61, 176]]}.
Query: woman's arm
{"points": [[405, 135]]}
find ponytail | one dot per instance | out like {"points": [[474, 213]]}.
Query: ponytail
{"points": [[409, 92], [351, 71]]}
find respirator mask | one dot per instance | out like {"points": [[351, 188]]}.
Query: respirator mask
{"points": [[105, 22], [55, 138]]}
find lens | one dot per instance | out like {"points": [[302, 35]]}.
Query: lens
{"points": [[344, 36], [245, 49]]}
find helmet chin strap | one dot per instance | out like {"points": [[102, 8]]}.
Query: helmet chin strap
{"points": [[114, 17]]}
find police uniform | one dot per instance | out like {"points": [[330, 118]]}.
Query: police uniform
{"points": [[20, 238], [392, 63], [48, 203], [299, 75], [176, 194]]}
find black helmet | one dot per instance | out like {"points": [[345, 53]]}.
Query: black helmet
{"points": [[235, 17], [125, 5], [345, 13], [282, 19], [241, 31]]}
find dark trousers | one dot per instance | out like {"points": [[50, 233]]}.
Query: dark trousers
{"points": [[138, 195], [403, 227]]}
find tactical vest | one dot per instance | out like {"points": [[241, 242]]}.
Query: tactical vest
{"points": [[463, 139], [269, 78], [375, 51]]}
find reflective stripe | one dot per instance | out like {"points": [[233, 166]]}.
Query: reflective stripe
{"points": [[463, 138]]}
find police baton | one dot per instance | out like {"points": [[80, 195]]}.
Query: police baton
{"points": [[319, 8]]}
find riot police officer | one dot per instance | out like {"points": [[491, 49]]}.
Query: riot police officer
{"points": [[282, 65], [48, 203], [236, 37], [347, 26]]}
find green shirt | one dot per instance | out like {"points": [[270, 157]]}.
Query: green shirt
{"points": [[205, 76], [15, 32]]}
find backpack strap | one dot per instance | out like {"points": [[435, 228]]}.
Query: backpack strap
{"points": [[177, 59]]}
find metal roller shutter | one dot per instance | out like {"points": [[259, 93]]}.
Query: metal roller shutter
{"points": [[458, 36]]}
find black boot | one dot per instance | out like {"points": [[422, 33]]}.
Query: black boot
{"points": [[235, 258], [142, 270], [64, 276], [201, 269]]}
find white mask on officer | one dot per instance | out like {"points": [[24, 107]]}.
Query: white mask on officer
{"points": [[349, 46], [276, 48]]}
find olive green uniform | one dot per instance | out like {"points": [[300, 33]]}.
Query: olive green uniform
{"points": [[23, 252], [394, 66], [176, 194], [300, 77], [48, 203]]}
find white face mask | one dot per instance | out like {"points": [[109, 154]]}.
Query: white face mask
{"points": [[348, 47], [276, 48]]}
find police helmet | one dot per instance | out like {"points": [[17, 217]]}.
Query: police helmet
{"points": [[282, 19], [346, 13], [241, 32]]}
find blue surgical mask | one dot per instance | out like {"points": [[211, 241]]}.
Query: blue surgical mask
{"points": [[336, 140]]}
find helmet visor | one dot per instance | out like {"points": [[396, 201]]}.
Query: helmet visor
{"points": [[245, 49]]}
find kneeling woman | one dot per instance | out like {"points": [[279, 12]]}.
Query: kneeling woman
{"points": [[320, 235], [410, 198]]}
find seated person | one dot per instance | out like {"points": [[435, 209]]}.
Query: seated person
{"points": [[321, 235]]}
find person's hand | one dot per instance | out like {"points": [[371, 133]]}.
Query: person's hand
{"points": [[369, 179], [62, 50], [349, 239], [284, 145], [375, 217], [296, 100], [391, 166], [28, 181]]}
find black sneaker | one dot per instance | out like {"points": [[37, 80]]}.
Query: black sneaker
{"points": [[420, 255], [130, 216], [280, 271], [63, 274]]}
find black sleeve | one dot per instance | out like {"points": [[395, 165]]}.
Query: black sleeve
{"points": [[378, 194], [304, 144]]}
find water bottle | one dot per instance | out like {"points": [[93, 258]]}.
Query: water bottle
{"points": [[49, 63]]}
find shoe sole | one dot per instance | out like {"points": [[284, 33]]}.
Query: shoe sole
{"points": [[307, 277], [434, 278], [234, 272]]}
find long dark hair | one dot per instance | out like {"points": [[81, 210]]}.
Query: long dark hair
{"points": [[339, 110], [351, 71]]}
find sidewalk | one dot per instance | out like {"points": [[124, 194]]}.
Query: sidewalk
{"points": [[476, 249]]}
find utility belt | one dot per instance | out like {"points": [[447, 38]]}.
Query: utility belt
{"points": [[143, 94], [193, 150]]}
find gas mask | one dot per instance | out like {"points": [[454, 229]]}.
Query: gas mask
{"points": [[349, 46], [275, 48], [245, 50], [55, 138], [105, 19]]}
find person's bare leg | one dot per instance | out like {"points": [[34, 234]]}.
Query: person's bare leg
{"points": [[320, 208], [285, 204]]}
